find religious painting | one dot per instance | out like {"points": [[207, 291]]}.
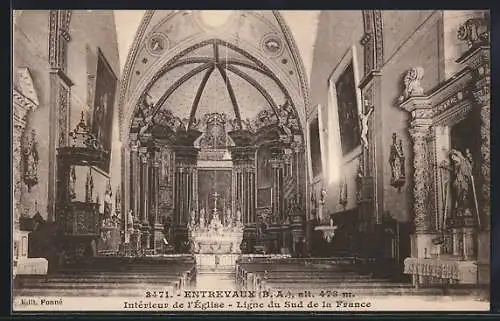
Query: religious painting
{"points": [[105, 91], [315, 147], [347, 108]]}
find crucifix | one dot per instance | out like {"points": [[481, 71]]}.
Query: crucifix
{"points": [[364, 126], [215, 202]]}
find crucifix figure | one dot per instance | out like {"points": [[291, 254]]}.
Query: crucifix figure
{"points": [[215, 202], [364, 126]]}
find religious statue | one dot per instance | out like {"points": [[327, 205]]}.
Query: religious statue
{"points": [[130, 219], [168, 229], [192, 222], [364, 126], [396, 161], [108, 201], [464, 199], [322, 199], [89, 187], [238, 217], [72, 183], [202, 218], [229, 217], [411, 83], [31, 158]]}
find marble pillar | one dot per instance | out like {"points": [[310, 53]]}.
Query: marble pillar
{"points": [[422, 239]]}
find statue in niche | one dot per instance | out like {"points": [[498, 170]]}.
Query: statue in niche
{"points": [[464, 198], [397, 163], [364, 127], [411, 82], [31, 160]]}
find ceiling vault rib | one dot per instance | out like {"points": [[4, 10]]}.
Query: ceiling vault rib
{"points": [[177, 83], [197, 98], [256, 85], [264, 72], [232, 96]]}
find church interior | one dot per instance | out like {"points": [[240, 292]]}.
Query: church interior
{"points": [[251, 149]]}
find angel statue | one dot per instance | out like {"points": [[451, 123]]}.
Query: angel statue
{"points": [[411, 83]]}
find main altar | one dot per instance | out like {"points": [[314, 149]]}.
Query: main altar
{"points": [[215, 237]]}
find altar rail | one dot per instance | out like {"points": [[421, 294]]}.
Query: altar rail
{"points": [[329, 275], [436, 272]]}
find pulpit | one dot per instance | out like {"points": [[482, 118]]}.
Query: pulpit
{"points": [[77, 221]]}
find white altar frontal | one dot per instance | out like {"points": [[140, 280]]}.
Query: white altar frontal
{"points": [[215, 242]]}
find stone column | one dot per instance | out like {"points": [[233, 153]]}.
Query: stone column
{"points": [[419, 133], [277, 173], [134, 179], [157, 226], [144, 195]]}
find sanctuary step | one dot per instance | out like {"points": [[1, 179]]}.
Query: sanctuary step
{"points": [[129, 277]]}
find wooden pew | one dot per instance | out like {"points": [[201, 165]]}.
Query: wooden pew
{"points": [[113, 276]]}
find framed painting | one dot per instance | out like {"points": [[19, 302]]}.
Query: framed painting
{"points": [[104, 101], [346, 104], [315, 155]]}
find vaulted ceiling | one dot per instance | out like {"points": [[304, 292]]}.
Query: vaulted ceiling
{"points": [[193, 63], [302, 24]]}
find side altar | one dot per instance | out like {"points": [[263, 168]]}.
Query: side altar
{"points": [[215, 237]]}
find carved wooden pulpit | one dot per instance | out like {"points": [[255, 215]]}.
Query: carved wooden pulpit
{"points": [[77, 221]]}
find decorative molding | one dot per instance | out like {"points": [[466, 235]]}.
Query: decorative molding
{"points": [[475, 31], [296, 57], [157, 44], [272, 45], [131, 59], [30, 160], [419, 135], [373, 40], [59, 36], [25, 87]]}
